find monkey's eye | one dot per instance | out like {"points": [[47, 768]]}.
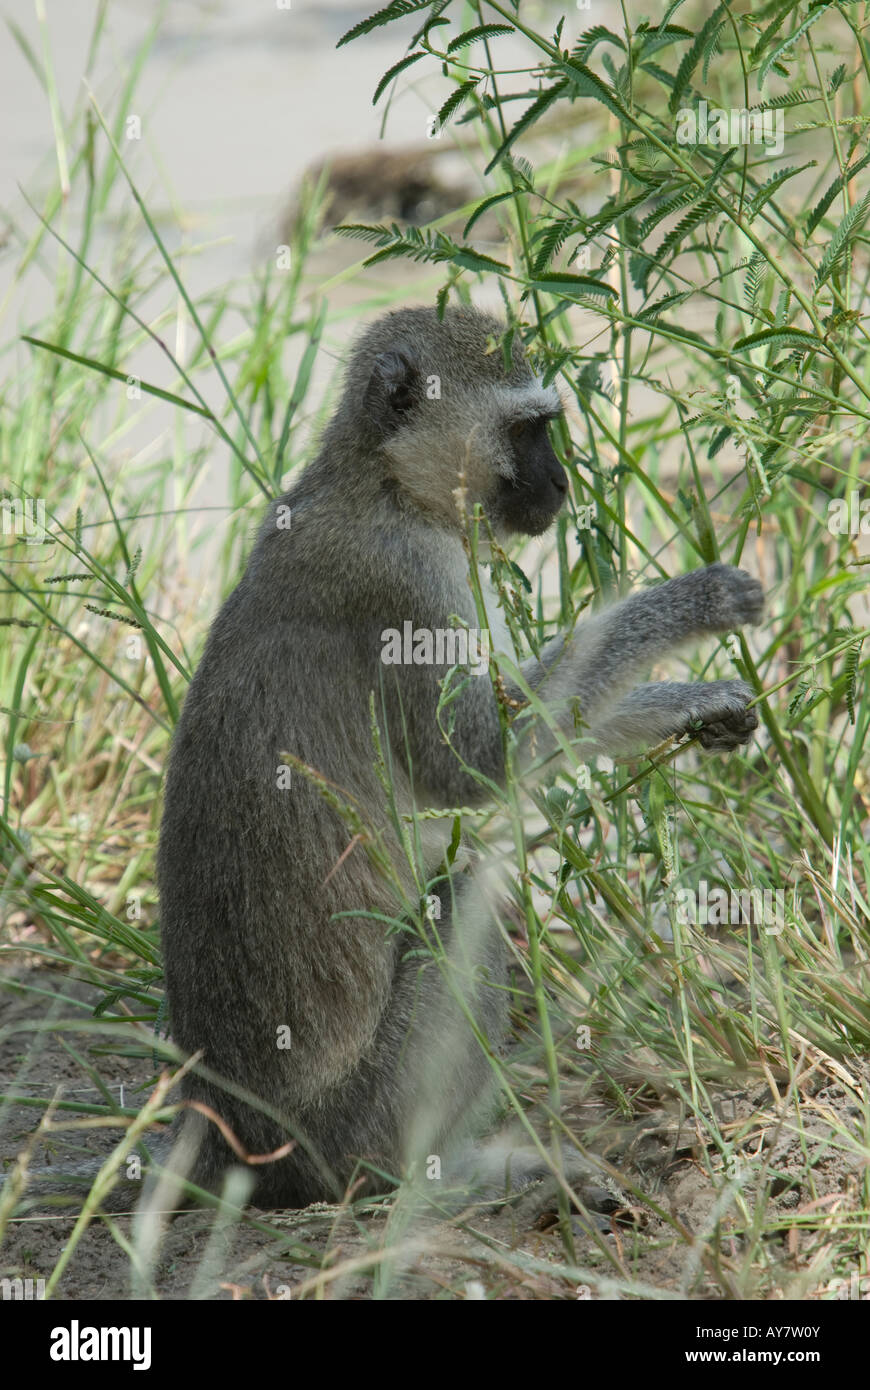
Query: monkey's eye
{"points": [[517, 429]]}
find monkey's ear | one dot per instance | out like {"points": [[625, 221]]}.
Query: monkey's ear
{"points": [[393, 388]]}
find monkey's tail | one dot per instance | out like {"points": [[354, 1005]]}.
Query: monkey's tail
{"points": [[28, 1189]]}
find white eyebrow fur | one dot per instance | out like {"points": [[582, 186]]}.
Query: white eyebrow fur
{"points": [[525, 402]]}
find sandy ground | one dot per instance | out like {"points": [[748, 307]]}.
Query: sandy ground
{"points": [[508, 1253]]}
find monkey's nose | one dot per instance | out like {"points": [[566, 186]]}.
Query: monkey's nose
{"points": [[560, 481]]}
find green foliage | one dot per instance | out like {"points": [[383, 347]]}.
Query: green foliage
{"points": [[721, 303], [702, 307]]}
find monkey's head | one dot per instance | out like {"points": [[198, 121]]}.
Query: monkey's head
{"points": [[449, 425]]}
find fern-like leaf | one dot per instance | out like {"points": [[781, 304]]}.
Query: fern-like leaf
{"points": [[394, 72], [610, 213], [483, 207], [455, 100], [815, 13], [668, 301], [590, 40], [693, 218], [398, 9], [433, 247], [480, 31], [705, 41], [799, 97], [587, 83], [561, 282], [650, 41], [523, 171], [838, 246], [780, 14], [773, 184], [797, 702], [527, 119], [673, 204], [778, 338], [719, 439], [832, 190], [363, 232], [754, 277], [550, 241]]}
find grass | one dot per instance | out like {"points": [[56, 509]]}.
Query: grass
{"points": [[702, 310]]}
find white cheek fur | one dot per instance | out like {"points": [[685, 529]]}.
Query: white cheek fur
{"points": [[525, 402]]}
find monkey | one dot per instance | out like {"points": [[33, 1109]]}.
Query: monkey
{"points": [[275, 917], [415, 184]]}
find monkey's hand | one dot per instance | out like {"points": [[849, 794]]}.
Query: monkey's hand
{"points": [[727, 597], [715, 711], [497, 1172], [718, 714]]}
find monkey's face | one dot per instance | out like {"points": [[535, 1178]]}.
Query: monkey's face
{"points": [[455, 427], [528, 496]]}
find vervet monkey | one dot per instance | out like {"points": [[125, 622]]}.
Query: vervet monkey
{"points": [[281, 964]]}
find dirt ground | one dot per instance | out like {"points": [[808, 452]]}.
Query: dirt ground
{"points": [[676, 1238]]}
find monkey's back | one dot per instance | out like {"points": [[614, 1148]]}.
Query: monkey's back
{"points": [[254, 867]]}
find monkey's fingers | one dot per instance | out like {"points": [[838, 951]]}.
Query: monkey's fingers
{"points": [[724, 735], [734, 598]]}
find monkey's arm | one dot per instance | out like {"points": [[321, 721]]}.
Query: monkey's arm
{"points": [[442, 749], [651, 713], [594, 666], [606, 653]]}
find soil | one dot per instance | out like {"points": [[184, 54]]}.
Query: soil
{"points": [[663, 1244]]}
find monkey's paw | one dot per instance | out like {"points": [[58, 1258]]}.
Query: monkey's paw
{"points": [[603, 1200], [733, 598], [719, 716]]}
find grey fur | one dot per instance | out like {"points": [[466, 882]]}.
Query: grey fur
{"points": [[383, 1068]]}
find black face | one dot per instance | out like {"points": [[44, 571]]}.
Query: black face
{"points": [[531, 500]]}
